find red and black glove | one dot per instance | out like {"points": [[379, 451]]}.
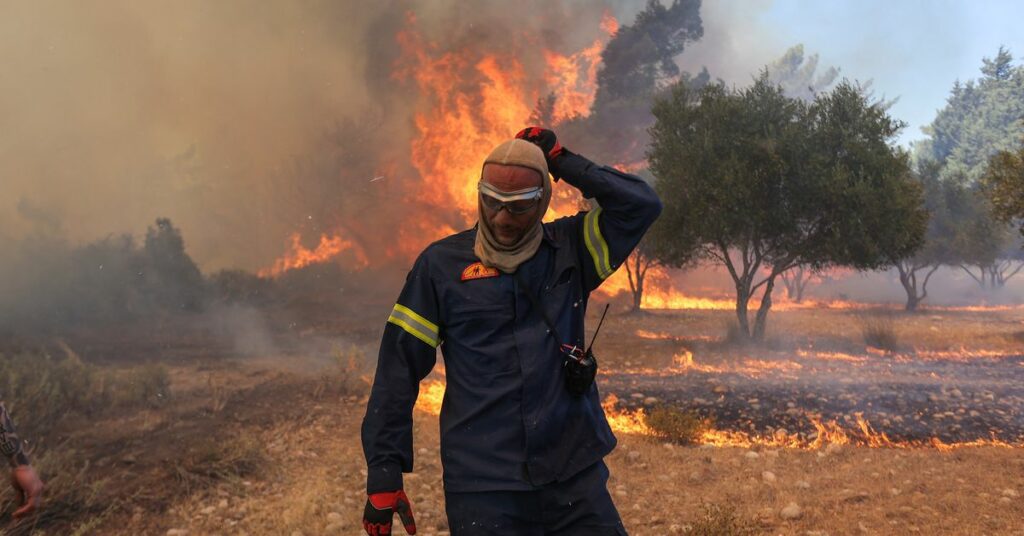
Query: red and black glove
{"points": [[543, 138], [380, 509]]}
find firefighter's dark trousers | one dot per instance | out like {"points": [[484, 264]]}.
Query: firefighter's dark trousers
{"points": [[579, 506]]}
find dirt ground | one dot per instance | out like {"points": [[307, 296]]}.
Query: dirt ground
{"points": [[271, 446]]}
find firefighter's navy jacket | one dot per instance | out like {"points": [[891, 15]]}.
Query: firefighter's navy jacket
{"points": [[507, 420]]}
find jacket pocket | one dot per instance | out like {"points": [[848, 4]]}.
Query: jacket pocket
{"points": [[480, 340]]}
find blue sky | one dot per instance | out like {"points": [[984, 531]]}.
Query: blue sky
{"points": [[911, 49]]}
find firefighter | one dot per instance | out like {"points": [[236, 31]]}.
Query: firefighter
{"points": [[27, 485], [522, 447]]}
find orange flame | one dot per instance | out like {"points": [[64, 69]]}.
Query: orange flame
{"points": [[626, 421], [481, 99], [575, 95], [470, 100], [299, 256]]}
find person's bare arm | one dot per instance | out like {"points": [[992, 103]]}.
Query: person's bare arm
{"points": [[24, 479]]}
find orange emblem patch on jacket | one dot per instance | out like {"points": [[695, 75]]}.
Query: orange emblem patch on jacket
{"points": [[477, 270]]}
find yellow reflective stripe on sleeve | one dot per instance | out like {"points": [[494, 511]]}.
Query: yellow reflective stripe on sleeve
{"points": [[596, 244], [414, 324]]}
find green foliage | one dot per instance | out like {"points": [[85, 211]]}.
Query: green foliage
{"points": [[676, 425], [1004, 186], [981, 118], [635, 64], [643, 54], [969, 145], [754, 179]]}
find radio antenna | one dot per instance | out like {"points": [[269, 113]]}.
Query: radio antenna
{"points": [[599, 324]]}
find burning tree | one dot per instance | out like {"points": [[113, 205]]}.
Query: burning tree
{"points": [[760, 183]]}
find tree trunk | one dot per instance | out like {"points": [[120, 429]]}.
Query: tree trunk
{"points": [[636, 272], [908, 278], [795, 280], [742, 297], [761, 321], [910, 286], [638, 292]]}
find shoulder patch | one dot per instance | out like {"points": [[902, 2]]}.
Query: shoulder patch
{"points": [[477, 270]]}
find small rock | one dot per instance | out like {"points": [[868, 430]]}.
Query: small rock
{"points": [[803, 484], [334, 517], [857, 497], [222, 504], [208, 510], [751, 455], [1011, 493], [791, 511], [768, 477], [638, 396], [650, 401], [633, 455]]}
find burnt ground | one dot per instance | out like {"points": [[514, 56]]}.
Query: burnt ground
{"points": [[954, 376], [904, 398]]}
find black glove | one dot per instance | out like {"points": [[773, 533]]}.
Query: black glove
{"points": [[380, 509], [548, 142]]}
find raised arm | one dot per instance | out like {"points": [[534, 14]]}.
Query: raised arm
{"points": [[628, 206]]}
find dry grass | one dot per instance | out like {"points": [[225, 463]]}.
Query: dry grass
{"points": [[74, 500], [215, 460], [40, 390], [880, 332], [676, 425], [348, 374], [718, 520]]}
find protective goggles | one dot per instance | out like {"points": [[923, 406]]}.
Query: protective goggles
{"points": [[517, 203]]}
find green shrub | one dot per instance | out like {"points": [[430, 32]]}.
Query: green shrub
{"points": [[676, 425]]}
